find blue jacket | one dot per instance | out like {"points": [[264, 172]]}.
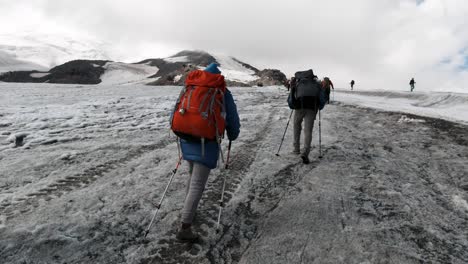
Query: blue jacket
{"points": [[192, 151]]}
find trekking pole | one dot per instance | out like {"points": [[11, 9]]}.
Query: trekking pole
{"points": [[284, 134], [164, 194], [226, 166], [320, 135], [221, 201]]}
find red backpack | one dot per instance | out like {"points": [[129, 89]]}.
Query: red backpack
{"points": [[200, 112]]}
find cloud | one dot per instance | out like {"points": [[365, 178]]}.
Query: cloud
{"points": [[380, 44]]}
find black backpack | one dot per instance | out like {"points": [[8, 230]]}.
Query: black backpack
{"points": [[306, 85], [306, 91]]}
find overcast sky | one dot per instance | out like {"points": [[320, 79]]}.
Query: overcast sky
{"points": [[379, 43]]}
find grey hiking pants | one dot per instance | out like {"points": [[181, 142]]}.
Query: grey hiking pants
{"points": [[198, 176], [308, 115]]}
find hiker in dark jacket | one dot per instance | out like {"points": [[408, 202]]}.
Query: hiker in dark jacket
{"points": [[200, 164], [352, 84], [290, 83], [327, 85], [308, 99], [411, 83]]}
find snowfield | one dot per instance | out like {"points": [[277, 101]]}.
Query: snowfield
{"points": [[177, 59], [83, 167], [450, 106], [233, 70], [123, 73]]}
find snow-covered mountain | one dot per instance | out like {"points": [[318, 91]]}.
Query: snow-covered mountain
{"points": [[9, 62], [62, 58], [44, 51], [172, 70], [163, 71]]}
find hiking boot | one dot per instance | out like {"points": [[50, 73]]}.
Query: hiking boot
{"points": [[305, 159], [187, 235]]}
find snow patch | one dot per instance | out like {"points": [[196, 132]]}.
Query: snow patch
{"points": [[122, 73], [460, 202], [14, 136], [68, 156], [177, 78], [234, 71], [39, 74], [405, 119], [177, 59]]}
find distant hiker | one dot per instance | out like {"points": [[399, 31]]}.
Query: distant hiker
{"points": [[205, 109], [306, 98], [411, 83], [352, 84], [327, 84], [287, 84], [290, 82]]}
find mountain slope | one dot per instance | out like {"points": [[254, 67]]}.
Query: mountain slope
{"points": [[165, 71], [172, 70], [73, 72]]}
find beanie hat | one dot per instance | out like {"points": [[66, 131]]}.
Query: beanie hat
{"points": [[212, 68]]}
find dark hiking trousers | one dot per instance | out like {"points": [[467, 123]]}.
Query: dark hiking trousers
{"points": [[308, 116]]}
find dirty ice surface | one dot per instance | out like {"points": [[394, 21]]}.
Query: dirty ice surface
{"points": [[83, 167]]}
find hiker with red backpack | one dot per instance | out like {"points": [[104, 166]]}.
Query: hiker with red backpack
{"points": [[307, 98], [204, 111]]}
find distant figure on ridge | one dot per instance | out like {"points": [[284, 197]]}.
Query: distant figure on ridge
{"points": [[411, 83], [326, 84], [352, 84]]}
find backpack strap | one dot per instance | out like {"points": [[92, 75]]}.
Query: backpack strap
{"points": [[190, 96], [200, 108]]}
